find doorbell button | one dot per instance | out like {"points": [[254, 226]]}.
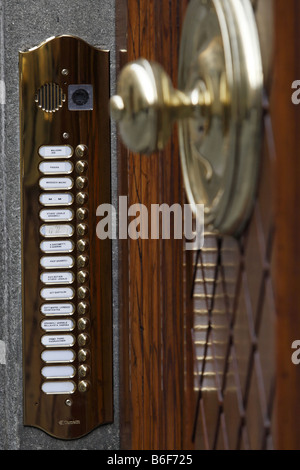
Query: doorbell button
{"points": [[83, 355], [81, 166], [83, 308], [82, 229], [81, 198], [82, 214], [81, 151], [81, 182], [82, 261], [83, 386], [82, 245], [83, 292]]}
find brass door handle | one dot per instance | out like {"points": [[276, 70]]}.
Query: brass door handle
{"points": [[218, 107], [147, 105]]}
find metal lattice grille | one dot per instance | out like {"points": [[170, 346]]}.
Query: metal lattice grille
{"points": [[233, 331]]}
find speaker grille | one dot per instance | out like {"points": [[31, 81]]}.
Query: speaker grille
{"points": [[50, 97]]}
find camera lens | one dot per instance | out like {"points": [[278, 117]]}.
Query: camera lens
{"points": [[80, 97]]}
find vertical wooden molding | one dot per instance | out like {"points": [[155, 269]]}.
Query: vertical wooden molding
{"points": [[286, 122], [151, 271]]}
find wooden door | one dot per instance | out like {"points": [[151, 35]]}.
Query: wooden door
{"points": [[206, 336]]}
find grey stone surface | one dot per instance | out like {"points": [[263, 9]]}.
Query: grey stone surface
{"points": [[24, 24]]}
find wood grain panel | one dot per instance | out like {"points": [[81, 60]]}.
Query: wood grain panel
{"points": [[286, 122], [152, 300]]}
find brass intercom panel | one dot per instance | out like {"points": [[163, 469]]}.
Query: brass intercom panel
{"points": [[65, 176]]}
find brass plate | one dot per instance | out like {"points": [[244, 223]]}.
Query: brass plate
{"points": [[220, 153], [46, 120]]}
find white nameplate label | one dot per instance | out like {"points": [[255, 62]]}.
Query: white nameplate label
{"points": [[58, 246], [58, 372], [52, 168], [58, 293], [56, 151], [57, 230], [57, 309], [56, 199], [56, 183], [62, 355], [58, 325], [58, 340], [53, 262], [57, 278], [56, 388], [51, 215]]}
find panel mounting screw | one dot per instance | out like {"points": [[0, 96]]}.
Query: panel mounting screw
{"points": [[65, 72]]}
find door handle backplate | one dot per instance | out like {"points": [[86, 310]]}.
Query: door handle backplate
{"points": [[218, 108]]}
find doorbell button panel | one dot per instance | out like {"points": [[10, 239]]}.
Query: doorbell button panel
{"points": [[66, 269]]}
